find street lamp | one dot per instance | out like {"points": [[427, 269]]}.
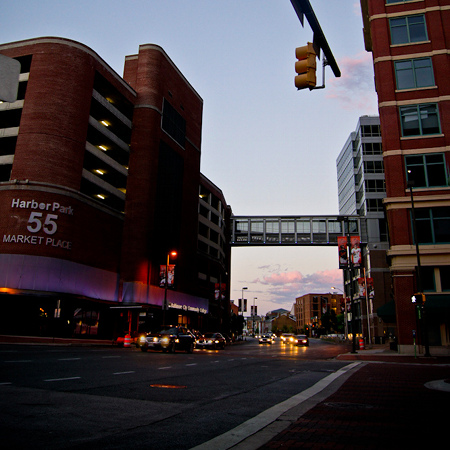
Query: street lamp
{"points": [[254, 315], [424, 330], [166, 283]]}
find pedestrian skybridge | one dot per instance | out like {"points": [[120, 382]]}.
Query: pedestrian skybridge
{"points": [[294, 230]]}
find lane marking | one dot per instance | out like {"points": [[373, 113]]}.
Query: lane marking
{"points": [[123, 373], [63, 379], [69, 359]]}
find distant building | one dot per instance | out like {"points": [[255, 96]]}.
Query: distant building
{"points": [[99, 180], [409, 42], [361, 190], [310, 308]]}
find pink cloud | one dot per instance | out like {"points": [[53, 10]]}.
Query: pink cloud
{"points": [[355, 87], [285, 287]]}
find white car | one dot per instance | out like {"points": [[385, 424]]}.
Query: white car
{"points": [[265, 339]]}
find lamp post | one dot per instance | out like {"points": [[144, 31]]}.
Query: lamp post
{"points": [[410, 184], [166, 284], [254, 315]]}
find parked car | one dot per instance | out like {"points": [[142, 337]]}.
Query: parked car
{"points": [[266, 339], [211, 340], [169, 340], [300, 339]]}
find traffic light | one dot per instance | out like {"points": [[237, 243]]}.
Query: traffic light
{"points": [[305, 67]]}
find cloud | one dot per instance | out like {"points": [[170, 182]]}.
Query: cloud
{"points": [[285, 287], [355, 88]]}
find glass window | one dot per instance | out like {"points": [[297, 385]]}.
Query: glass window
{"points": [[419, 120], [426, 170], [408, 29], [173, 123], [433, 225], [444, 272], [414, 73]]}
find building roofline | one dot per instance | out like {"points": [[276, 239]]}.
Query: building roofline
{"points": [[70, 43]]}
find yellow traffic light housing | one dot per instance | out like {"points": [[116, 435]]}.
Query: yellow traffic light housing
{"points": [[305, 67]]}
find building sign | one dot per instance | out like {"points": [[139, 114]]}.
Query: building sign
{"points": [[355, 243], [343, 258], [170, 275], [42, 223]]}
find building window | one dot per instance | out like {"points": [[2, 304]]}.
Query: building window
{"points": [[426, 170], [173, 123], [373, 167], [397, 1], [444, 272], [414, 73], [433, 225], [419, 120], [408, 29]]}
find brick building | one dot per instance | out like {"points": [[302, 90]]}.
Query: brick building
{"points": [[409, 45], [310, 308], [99, 180]]}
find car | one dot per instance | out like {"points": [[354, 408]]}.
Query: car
{"points": [[211, 340], [286, 337], [300, 339], [169, 340], [266, 339]]}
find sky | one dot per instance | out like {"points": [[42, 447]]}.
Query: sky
{"points": [[271, 149]]}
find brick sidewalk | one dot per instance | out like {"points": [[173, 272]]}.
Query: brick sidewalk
{"points": [[380, 406]]}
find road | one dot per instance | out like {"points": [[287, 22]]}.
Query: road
{"points": [[58, 397]]}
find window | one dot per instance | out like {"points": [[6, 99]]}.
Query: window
{"points": [[408, 29], [444, 272], [414, 73], [373, 167], [173, 123], [419, 120], [375, 185], [433, 225], [372, 148], [426, 170], [397, 1]]}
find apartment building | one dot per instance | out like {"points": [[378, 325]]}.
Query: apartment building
{"points": [[409, 45]]}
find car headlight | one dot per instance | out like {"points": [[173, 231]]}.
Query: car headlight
{"points": [[142, 339], [165, 340], [155, 339]]}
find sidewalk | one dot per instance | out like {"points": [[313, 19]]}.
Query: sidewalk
{"points": [[386, 401]]}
